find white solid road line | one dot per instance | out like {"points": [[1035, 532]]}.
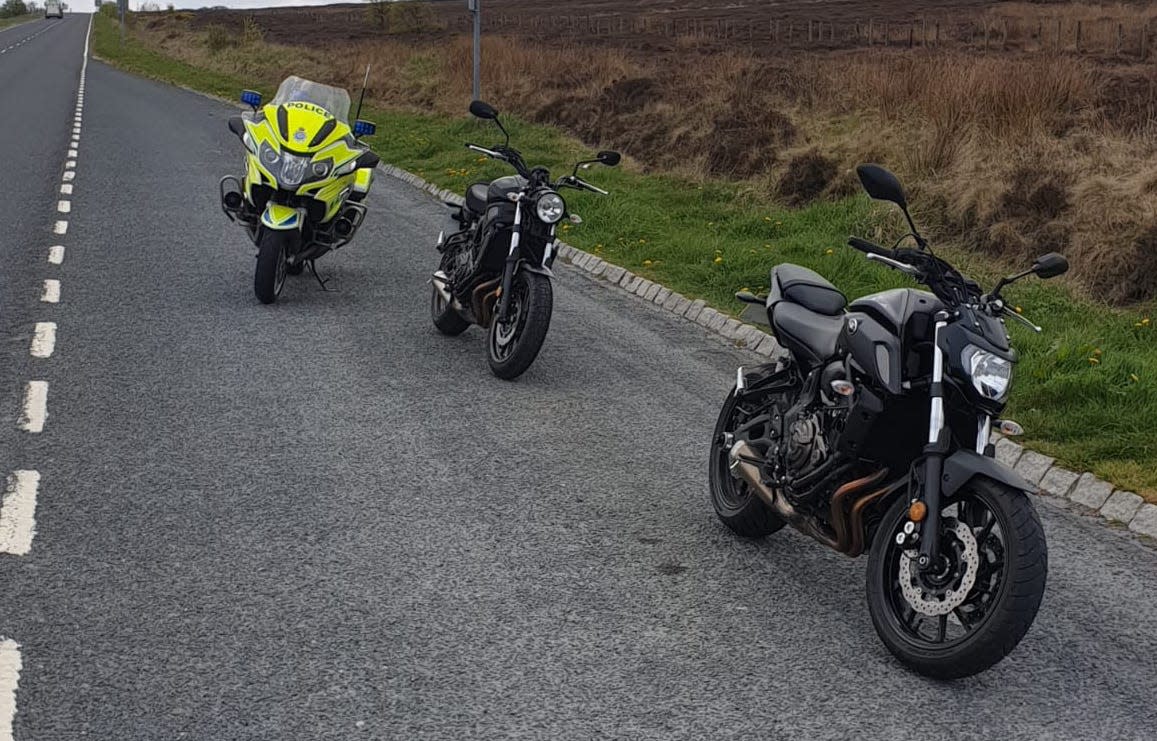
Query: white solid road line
{"points": [[43, 340], [18, 518], [63, 206], [35, 409], [51, 294], [9, 678], [61, 227], [56, 254]]}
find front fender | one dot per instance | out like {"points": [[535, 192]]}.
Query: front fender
{"points": [[540, 269], [281, 218], [965, 465]]}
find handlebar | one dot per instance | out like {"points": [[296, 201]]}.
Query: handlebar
{"points": [[485, 151], [571, 181]]}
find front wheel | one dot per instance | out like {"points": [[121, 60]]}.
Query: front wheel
{"points": [[514, 343], [970, 611], [269, 277]]}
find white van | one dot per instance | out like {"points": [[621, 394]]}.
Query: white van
{"points": [[53, 9]]}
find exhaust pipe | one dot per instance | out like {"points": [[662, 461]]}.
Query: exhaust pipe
{"points": [[745, 465]]}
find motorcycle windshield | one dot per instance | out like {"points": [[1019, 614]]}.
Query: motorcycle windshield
{"points": [[299, 90]]}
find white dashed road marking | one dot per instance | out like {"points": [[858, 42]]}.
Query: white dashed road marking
{"points": [[18, 523], [35, 409], [61, 227], [10, 666], [66, 189], [51, 294], [69, 175], [64, 206], [43, 340], [56, 254]]}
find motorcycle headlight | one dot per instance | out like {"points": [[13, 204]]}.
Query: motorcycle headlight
{"points": [[991, 374], [270, 157], [550, 207], [347, 168], [320, 169], [292, 169]]}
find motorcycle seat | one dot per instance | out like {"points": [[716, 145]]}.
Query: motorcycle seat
{"points": [[806, 288], [810, 336], [476, 197]]}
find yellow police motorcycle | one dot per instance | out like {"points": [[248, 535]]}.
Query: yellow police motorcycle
{"points": [[306, 175]]}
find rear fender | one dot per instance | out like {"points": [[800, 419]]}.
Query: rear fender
{"points": [[965, 465]]}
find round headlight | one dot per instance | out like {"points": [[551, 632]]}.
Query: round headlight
{"points": [[269, 155], [550, 207], [991, 374], [321, 169]]}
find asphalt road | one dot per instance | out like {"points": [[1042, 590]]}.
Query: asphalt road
{"points": [[323, 520]]}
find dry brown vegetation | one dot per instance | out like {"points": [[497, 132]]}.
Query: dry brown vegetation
{"points": [[1012, 153]]}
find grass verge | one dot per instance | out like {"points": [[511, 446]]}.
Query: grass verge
{"points": [[1086, 389], [18, 19]]}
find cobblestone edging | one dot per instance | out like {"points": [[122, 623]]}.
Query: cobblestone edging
{"points": [[1090, 494]]}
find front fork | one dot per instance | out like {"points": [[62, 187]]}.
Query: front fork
{"points": [[512, 258], [939, 439]]}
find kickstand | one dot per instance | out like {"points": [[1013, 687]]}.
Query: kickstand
{"points": [[321, 282]]}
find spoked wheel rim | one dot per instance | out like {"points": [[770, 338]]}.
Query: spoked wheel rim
{"points": [[941, 609], [504, 335]]}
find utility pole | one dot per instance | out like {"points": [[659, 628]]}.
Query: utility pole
{"points": [[475, 7], [121, 5]]}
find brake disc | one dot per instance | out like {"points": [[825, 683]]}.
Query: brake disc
{"points": [[929, 601]]}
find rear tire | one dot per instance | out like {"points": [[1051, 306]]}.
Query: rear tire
{"points": [[446, 318], [513, 345], [998, 608], [736, 505], [269, 277]]}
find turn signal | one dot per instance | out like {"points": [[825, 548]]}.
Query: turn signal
{"points": [[1010, 428], [917, 512]]}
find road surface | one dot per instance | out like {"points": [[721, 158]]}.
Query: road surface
{"points": [[322, 520]]}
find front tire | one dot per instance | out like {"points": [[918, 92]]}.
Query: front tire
{"points": [[269, 277], [514, 344], [736, 505], [988, 528]]}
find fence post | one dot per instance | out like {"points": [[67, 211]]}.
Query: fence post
{"points": [[1144, 41], [1120, 37], [871, 31], [789, 31], [1078, 37], [937, 33], [924, 31], [887, 36], [777, 32], [911, 36]]}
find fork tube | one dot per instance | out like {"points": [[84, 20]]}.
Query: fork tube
{"points": [[983, 432], [511, 260], [934, 455]]}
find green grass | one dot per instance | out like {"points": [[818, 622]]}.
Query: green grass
{"points": [[1086, 389], [14, 20]]}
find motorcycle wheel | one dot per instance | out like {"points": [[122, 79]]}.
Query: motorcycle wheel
{"points": [[446, 318], [514, 344], [973, 610], [736, 505], [269, 278]]}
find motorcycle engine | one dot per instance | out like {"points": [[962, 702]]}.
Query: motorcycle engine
{"points": [[806, 447]]}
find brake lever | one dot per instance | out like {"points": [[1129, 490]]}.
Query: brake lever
{"points": [[1009, 312], [903, 267]]}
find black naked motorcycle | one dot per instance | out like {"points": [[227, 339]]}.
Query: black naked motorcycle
{"points": [[872, 433], [495, 268]]}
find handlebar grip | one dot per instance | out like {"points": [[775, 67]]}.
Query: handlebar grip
{"points": [[870, 248]]}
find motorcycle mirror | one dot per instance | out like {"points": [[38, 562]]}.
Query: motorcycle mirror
{"points": [[1050, 265], [481, 109], [364, 128], [236, 125], [882, 185], [251, 98], [609, 158]]}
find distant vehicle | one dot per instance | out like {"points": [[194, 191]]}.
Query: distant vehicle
{"points": [[53, 9]]}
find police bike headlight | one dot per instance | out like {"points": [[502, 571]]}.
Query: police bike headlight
{"points": [[293, 169], [550, 207], [991, 374], [269, 156], [320, 170]]}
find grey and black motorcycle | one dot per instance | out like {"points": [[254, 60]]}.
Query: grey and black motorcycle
{"points": [[495, 269], [873, 433]]}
